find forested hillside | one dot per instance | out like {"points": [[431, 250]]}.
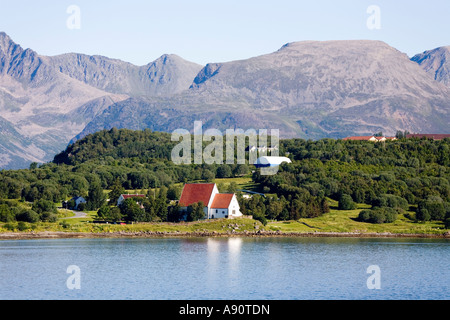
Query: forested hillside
{"points": [[406, 176]]}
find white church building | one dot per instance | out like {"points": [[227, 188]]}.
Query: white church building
{"points": [[217, 205]]}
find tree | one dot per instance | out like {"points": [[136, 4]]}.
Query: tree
{"points": [[28, 215], [174, 213], [96, 198], [33, 166], [173, 193], [223, 171], [433, 208], [132, 211], [116, 190], [41, 206], [274, 208], [6, 215], [114, 214], [195, 211], [378, 215], [103, 212], [324, 206], [232, 187], [107, 213], [240, 170], [346, 202], [208, 175]]}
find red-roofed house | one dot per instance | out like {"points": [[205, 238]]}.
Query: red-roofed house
{"points": [[428, 136], [217, 205], [362, 138]]}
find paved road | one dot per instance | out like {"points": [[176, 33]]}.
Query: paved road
{"points": [[78, 214]]}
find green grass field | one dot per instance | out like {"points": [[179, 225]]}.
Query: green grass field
{"points": [[346, 221]]}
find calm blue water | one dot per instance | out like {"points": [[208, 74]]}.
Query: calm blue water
{"points": [[231, 269]]}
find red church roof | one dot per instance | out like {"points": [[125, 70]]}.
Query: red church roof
{"points": [[222, 201], [197, 192]]}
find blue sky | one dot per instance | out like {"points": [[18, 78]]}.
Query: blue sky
{"points": [[205, 31]]}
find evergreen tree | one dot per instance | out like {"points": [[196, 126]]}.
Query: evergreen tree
{"points": [[96, 198], [116, 190]]}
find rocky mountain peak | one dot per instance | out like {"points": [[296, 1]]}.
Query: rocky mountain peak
{"points": [[436, 63]]}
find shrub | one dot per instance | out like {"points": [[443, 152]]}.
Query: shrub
{"points": [[6, 215], [260, 218], [9, 226], [423, 215], [433, 208], [391, 201], [378, 215], [346, 203], [22, 226], [447, 223], [41, 206], [48, 217], [28, 216], [195, 211]]}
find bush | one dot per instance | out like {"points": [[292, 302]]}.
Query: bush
{"points": [[433, 208], [9, 226], [391, 201], [260, 218], [6, 215], [195, 211], [22, 226], [447, 223], [81, 206], [423, 215], [41, 206], [48, 217], [346, 203], [28, 216], [378, 215]]}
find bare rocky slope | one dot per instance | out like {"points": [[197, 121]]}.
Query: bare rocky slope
{"points": [[46, 101], [36, 104], [307, 89], [167, 75], [436, 62]]}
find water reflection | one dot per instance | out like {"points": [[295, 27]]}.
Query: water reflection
{"points": [[224, 256], [234, 253]]}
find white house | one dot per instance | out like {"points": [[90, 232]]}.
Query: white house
{"points": [[224, 206], [271, 161], [123, 197], [78, 201], [216, 205]]}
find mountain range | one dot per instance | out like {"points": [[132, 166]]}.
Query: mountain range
{"points": [[309, 89]]}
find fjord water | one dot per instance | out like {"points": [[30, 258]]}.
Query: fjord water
{"points": [[225, 268]]}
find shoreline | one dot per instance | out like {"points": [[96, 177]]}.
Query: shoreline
{"points": [[256, 234]]}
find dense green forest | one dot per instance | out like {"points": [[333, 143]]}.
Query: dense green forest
{"points": [[406, 176]]}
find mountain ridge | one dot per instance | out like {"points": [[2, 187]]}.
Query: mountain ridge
{"points": [[158, 77], [436, 62], [47, 101], [306, 89], [309, 89]]}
